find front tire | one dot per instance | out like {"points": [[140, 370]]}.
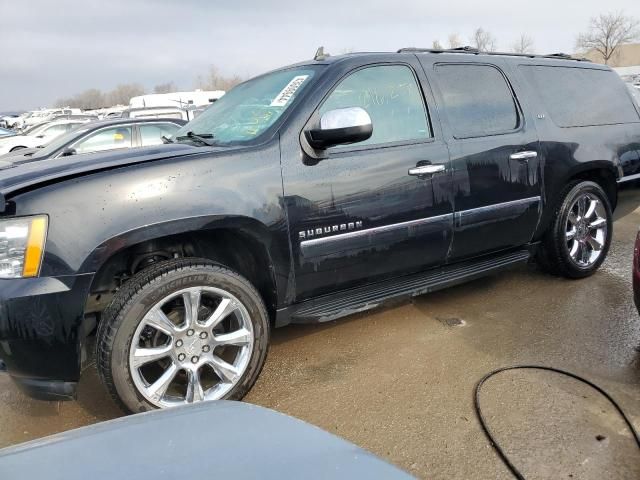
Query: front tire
{"points": [[179, 332], [579, 236]]}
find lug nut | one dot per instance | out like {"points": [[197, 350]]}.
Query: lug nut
{"points": [[194, 359], [206, 348], [203, 335], [181, 357], [179, 343], [190, 333]]}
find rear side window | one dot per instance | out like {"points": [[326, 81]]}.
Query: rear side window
{"points": [[581, 97], [477, 100], [152, 134]]}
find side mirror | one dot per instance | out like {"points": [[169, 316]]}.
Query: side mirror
{"points": [[67, 152], [340, 127]]}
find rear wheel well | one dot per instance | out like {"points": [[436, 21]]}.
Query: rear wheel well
{"points": [[603, 177], [237, 250]]}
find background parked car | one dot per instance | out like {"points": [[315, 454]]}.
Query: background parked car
{"points": [[157, 112], [5, 131], [7, 120], [258, 443], [37, 136], [101, 136]]}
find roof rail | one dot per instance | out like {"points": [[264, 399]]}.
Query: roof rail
{"points": [[475, 51]]}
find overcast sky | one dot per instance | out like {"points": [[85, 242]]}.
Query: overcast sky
{"points": [[56, 48]]}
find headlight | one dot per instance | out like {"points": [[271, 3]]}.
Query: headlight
{"points": [[21, 246]]}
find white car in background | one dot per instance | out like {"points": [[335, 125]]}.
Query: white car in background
{"points": [[38, 136]]}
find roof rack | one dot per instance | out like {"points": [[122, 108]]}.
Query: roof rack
{"points": [[475, 51]]}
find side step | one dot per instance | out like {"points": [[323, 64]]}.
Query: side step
{"points": [[359, 299]]}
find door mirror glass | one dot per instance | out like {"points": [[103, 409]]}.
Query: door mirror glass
{"points": [[340, 127]]}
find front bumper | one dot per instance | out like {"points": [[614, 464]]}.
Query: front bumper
{"points": [[42, 333]]}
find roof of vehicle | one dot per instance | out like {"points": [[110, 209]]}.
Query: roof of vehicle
{"points": [[126, 121], [167, 107], [324, 58]]}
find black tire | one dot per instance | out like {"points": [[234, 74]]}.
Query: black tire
{"points": [[128, 307], [553, 255], [15, 149]]}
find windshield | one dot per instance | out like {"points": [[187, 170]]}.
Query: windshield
{"points": [[31, 130], [51, 147], [247, 111]]}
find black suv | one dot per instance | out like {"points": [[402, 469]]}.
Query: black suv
{"points": [[303, 195]]}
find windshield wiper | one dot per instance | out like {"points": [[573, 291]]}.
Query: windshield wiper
{"points": [[166, 139], [203, 138]]}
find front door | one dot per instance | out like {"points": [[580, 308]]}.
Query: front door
{"points": [[363, 213], [494, 154]]}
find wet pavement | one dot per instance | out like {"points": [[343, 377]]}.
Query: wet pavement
{"points": [[399, 381]]}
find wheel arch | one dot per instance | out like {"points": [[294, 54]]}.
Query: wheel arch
{"points": [[601, 172], [240, 243]]}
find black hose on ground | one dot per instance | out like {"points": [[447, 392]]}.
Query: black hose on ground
{"points": [[503, 456]]}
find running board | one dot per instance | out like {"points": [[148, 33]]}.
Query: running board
{"points": [[360, 299]]}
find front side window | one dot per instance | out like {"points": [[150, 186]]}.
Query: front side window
{"points": [[392, 98], [248, 110], [152, 134], [108, 139], [477, 100]]}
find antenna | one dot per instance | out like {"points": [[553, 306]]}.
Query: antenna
{"points": [[320, 55]]}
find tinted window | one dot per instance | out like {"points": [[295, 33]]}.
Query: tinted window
{"points": [[56, 130], [108, 139], [579, 97], [477, 100], [151, 134], [392, 98]]}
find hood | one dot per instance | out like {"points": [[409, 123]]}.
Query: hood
{"points": [[22, 155], [25, 174]]}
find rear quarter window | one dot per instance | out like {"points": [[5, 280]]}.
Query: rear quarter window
{"points": [[581, 97]]}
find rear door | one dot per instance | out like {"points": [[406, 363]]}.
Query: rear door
{"points": [[363, 213], [494, 152]]}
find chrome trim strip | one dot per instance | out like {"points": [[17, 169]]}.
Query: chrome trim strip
{"points": [[628, 178], [374, 230], [420, 221], [497, 206]]}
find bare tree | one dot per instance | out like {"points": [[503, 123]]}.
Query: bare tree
{"points": [[123, 93], [454, 41], [524, 44], [168, 87], [607, 32], [87, 100], [483, 40], [214, 80], [436, 45]]}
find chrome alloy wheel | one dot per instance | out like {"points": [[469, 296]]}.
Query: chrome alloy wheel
{"points": [[586, 230], [193, 345]]}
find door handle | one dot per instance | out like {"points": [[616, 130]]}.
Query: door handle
{"points": [[524, 156], [424, 170]]}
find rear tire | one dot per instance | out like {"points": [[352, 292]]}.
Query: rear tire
{"points": [[579, 237], [182, 331]]}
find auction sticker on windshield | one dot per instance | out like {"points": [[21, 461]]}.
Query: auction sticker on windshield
{"points": [[287, 92]]}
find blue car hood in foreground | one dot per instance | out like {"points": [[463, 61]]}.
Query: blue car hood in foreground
{"points": [[228, 440]]}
